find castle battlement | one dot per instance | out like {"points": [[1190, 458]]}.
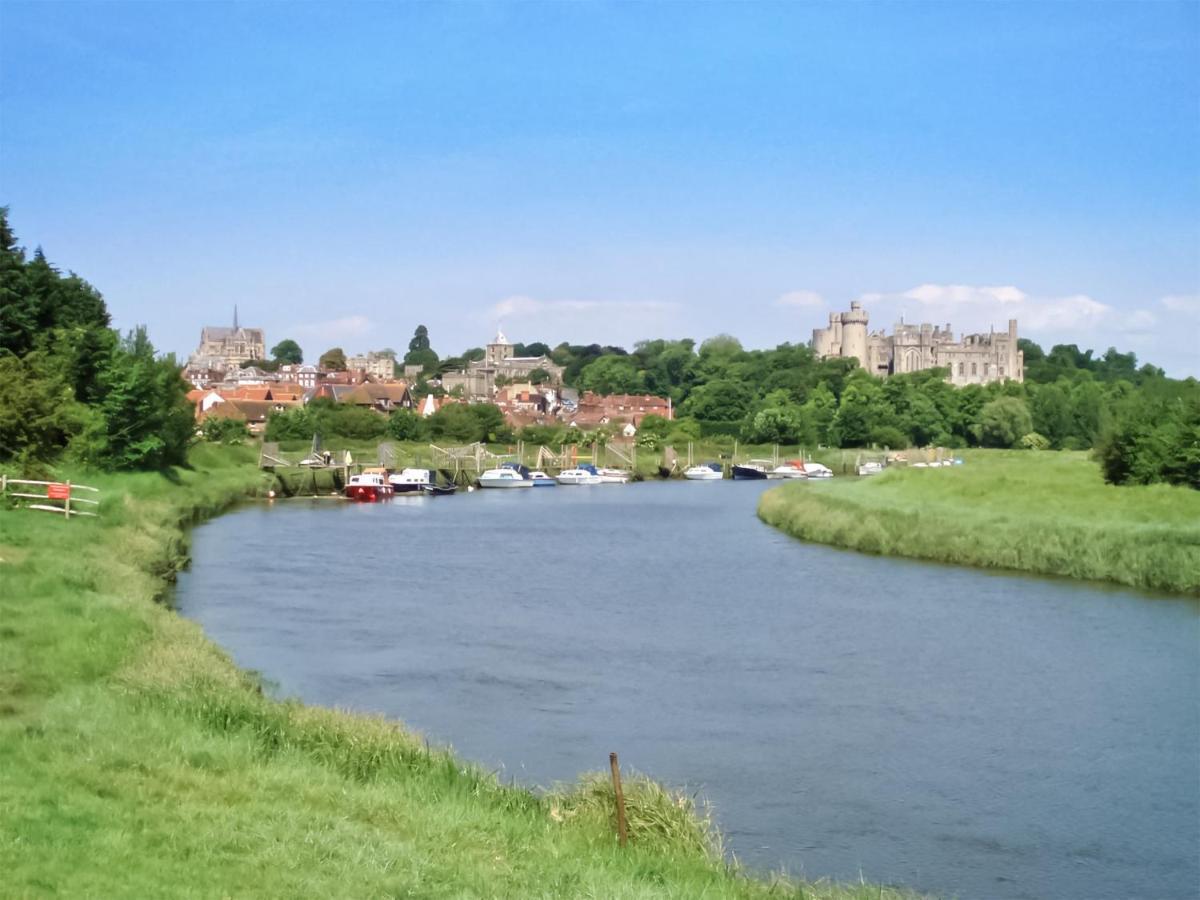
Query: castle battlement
{"points": [[975, 359]]}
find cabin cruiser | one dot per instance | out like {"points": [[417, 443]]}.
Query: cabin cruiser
{"points": [[541, 479], [754, 470], [504, 478], [367, 488], [816, 470], [578, 476], [793, 468], [419, 481], [612, 476], [705, 472], [870, 468], [410, 481]]}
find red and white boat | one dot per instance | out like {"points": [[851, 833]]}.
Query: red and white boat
{"points": [[368, 487]]}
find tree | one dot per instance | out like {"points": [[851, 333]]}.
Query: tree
{"points": [[145, 420], [287, 352], [610, 375], [333, 360], [406, 425], [420, 339], [1004, 421], [539, 376]]}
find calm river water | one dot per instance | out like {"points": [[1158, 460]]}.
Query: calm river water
{"points": [[967, 733]]}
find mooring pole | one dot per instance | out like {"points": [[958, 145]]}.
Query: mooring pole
{"points": [[622, 835]]}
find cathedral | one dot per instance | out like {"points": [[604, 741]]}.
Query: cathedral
{"points": [[976, 359], [222, 348]]}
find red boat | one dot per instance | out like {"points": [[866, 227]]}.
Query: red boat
{"points": [[368, 487]]}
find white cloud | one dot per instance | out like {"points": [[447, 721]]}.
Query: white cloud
{"points": [[971, 308], [518, 306], [333, 331], [801, 300], [1189, 304]]}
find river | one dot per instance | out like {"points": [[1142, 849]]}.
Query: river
{"points": [[957, 731]]}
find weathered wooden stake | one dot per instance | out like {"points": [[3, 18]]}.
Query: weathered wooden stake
{"points": [[622, 835]]}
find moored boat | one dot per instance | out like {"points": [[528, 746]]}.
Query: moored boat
{"points": [[793, 468], [504, 478], [576, 476], [368, 487], [753, 470], [541, 479], [410, 481], [613, 476], [870, 468], [816, 470], [705, 472]]}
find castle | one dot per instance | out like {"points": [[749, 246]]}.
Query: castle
{"points": [[222, 348], [976, 359], [478, 380]]}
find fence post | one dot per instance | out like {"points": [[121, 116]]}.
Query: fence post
{"points": [[622, 833], [67, 503]]}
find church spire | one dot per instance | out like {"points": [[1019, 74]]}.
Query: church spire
{"points": [[235, 325]]}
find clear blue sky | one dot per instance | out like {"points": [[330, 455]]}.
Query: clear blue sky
{"points": [[613, 171]]}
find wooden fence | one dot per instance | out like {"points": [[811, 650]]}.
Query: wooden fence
{"points": [[57, 492]]}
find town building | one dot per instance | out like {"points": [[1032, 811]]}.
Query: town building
{"points": [[224, 349], [478, 379], [975, 359], [626, 409], [378, 365]]}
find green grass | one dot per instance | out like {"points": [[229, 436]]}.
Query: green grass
{"points": [[136, 760], [1046, 513]]}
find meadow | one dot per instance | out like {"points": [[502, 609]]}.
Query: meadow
{"points": [[1048, 513], [137, 760]]}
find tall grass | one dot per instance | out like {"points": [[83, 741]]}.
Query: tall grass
{"points": [[1047, 513], [137, 760]]}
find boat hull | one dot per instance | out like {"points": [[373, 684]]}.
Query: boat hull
{"points": [[747, 473], [505, 483], [367, 493]]}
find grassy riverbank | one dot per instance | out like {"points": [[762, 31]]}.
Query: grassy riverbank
{"points": [[1046, 513], [136, 760]]}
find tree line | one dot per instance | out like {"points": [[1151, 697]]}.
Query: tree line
{"points": [[70, 384]]}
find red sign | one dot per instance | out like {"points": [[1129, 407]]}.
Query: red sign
{"points": [[58, 492]]}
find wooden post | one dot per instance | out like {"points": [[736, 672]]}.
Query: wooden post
{"points": [[622, 833], [67, 503]]}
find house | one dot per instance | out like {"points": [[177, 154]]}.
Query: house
{"points": [[381, 397], [596, 409], [305, 376], [253, 412]]}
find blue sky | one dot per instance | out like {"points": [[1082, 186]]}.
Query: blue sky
{"points": [[613, 171]]}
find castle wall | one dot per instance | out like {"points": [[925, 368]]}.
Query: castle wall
{"points": [[976, 359]]}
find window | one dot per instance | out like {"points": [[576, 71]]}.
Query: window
{"points": [[985, 369], [974, 368], [960, 368]]}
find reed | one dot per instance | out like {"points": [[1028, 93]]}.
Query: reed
{"points": [[137, 760], [1041, 512]]}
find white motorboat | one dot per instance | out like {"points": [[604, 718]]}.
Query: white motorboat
{"points": [[578, 476], [504, 478], [541, 479], [816, 470], [793, 469], [870, 468], [613, 476], [705, 472]]}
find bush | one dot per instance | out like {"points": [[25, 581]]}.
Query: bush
{"points": [[1003, 421], [887, 436], [225, 431], [1035, 441], [406, 425]]}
